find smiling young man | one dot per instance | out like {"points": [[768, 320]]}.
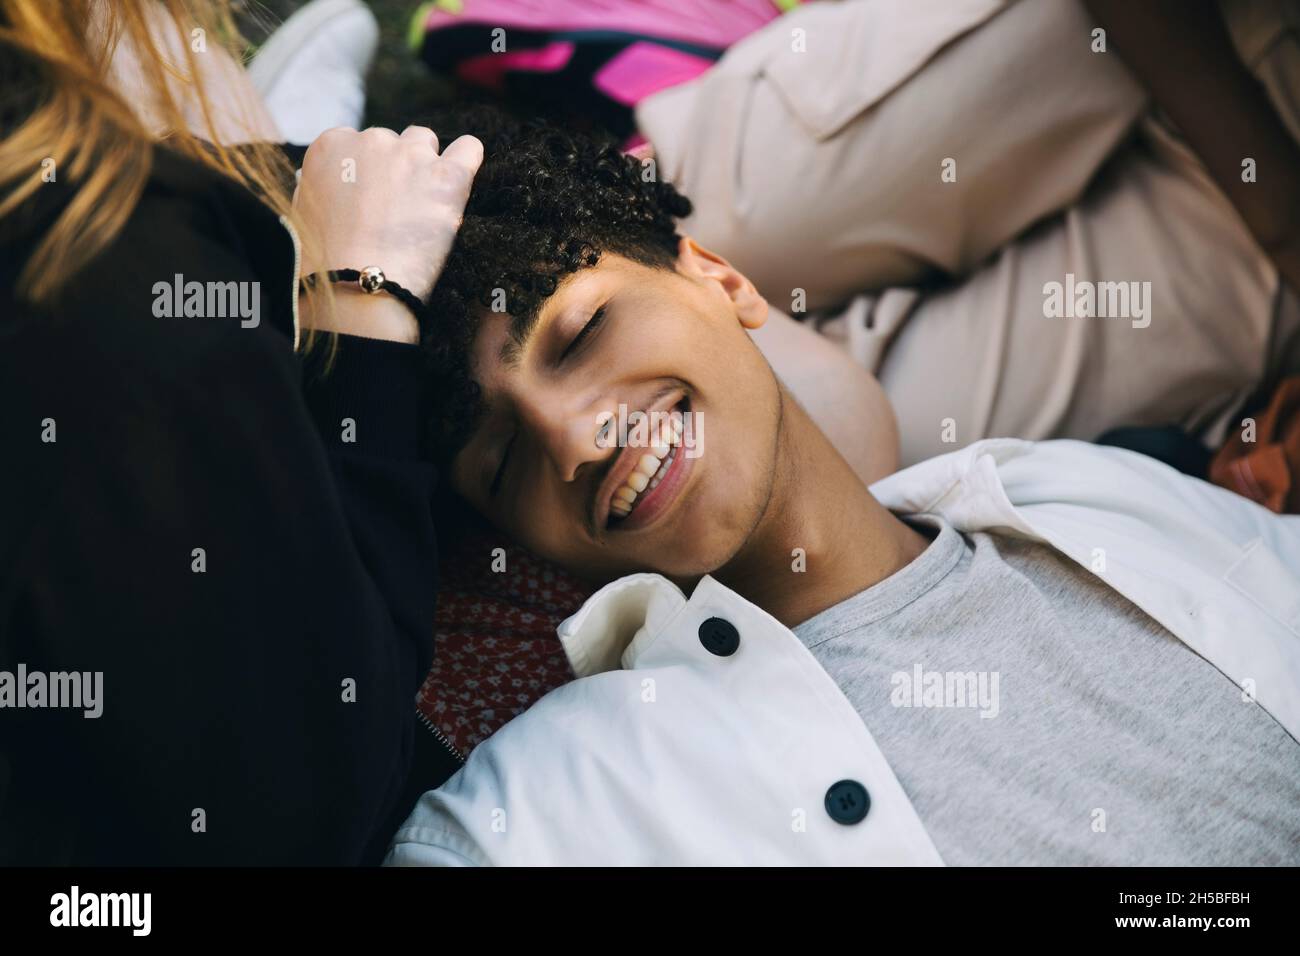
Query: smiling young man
{"points": [[667, 340], [1016, 653]]}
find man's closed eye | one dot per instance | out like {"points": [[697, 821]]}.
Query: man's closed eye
{"points": [[593, 324]]}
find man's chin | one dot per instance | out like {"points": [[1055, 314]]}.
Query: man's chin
{"points": [[684, 570]]}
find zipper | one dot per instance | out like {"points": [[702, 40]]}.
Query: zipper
{"points": [[297, 267], [441, 737]]}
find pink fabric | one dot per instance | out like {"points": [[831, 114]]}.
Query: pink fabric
{"points": [[490, 69], [715, 23], [646, 68]]}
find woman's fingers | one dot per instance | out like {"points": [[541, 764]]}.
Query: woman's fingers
{"points": [[466, 152], [419, 134]]}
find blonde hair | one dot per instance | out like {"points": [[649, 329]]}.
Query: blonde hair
{"points": [[100, 141]]}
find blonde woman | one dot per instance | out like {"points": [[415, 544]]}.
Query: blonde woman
{"points": [[216, 555]]}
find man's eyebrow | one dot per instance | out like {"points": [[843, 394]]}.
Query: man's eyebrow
{"points": [[522, 327]]}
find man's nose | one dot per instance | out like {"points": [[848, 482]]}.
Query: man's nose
{"points": [[569, 427]]}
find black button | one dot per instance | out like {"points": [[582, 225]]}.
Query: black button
{"points": [[719, 637], [847, 802]]}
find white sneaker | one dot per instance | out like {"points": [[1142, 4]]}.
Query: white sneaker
{"points": [[311, 71]]}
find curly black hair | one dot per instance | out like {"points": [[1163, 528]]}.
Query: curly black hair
{"points": [[547, 202]]}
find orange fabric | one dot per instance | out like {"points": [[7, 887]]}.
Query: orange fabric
{"points": [[1266, 470]]}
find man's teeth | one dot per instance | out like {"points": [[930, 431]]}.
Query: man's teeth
{"points": [[649, 470]]}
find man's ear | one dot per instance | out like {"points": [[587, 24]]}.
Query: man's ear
{"points": [[697, 262]]}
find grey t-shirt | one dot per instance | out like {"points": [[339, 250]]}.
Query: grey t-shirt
{"points": [[1035, 716]]}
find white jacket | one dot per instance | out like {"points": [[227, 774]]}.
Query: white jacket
{"points": [[662, 752]]}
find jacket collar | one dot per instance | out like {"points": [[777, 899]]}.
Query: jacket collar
{"points": [[964, 487], [617, 620]]}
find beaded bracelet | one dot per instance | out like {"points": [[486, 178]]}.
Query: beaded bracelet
{"points": [[371, 280]]}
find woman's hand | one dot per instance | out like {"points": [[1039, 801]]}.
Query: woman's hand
{"points": [[378, 199]]}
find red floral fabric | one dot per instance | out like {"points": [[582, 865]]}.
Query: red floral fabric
{"points": [[496, 651]]}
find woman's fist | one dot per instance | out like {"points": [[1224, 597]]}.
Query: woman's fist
{"points": [[375, 198]]}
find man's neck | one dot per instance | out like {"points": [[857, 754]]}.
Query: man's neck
{"points": [[823, 537]]}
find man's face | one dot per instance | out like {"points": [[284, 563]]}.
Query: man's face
{"points": [[662, 341]]}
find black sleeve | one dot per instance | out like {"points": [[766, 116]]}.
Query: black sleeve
{"points": [[250, 565]]}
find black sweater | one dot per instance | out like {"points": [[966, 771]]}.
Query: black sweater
{"points": [[228, 733]]}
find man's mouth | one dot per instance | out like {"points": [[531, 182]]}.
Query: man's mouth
{"points": [[648, 485]]}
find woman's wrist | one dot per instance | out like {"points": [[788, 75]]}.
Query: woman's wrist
{"points": [[353, 312]]}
